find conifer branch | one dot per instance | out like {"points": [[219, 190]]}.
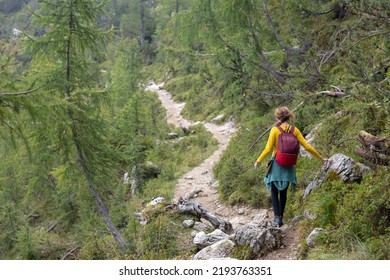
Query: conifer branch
{"points": [[281, 42], [265, 64]]}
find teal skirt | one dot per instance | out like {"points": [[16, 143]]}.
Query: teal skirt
{"points": [[280, 176]]}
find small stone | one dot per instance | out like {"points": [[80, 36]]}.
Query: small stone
{"points": [[188, 223], [200, 226]]}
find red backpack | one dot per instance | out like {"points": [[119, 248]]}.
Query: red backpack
{"points": [[288, 147]]}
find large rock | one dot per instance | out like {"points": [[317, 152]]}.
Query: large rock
{"points": [[219, 250], [261, 237], [154, 207], [203, 240], [345, 167]]}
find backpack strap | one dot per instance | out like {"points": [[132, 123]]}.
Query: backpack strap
{"points": [[280, 129], [290, 129]]}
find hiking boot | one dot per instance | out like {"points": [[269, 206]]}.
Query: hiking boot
{"points": [[278, 221]]}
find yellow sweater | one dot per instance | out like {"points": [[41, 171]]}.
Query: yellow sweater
{"points": [[273, 143]]}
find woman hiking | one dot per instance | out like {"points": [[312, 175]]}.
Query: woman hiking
{"points": [[282, 175]]}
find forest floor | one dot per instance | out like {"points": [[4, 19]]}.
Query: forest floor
{"points": [[201, 178]]}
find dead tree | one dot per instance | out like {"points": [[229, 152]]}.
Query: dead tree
{"points": [[376, 149], [194, 208], [186, 205]]}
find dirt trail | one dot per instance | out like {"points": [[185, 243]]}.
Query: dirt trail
{"points": [[201, 177]]}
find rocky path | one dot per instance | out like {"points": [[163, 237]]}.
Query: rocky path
{"points": [[201, 177]]}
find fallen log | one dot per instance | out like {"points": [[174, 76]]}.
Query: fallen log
{"points": [[196, 209], [376, 149], [372, 157], [374, 143]]}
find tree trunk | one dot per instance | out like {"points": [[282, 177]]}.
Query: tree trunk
{"points": [[142, 29], [100, 204]]}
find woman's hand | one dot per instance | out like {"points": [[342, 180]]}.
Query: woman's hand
{"points": [[256, 164], [324, 160]]}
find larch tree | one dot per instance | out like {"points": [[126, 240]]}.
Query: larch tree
{"points": [[66, 69]]}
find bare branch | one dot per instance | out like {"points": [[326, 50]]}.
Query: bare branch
{"points": [[365, 38], [357, 11], [70, 252], [52, 226], [338, 89], [336, 92], [18, 93], [328, 55]]}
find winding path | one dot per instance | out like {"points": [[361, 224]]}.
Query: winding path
{"points": [[201, 177]]}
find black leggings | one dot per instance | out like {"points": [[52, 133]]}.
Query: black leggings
{"points": [[278, 205]]}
